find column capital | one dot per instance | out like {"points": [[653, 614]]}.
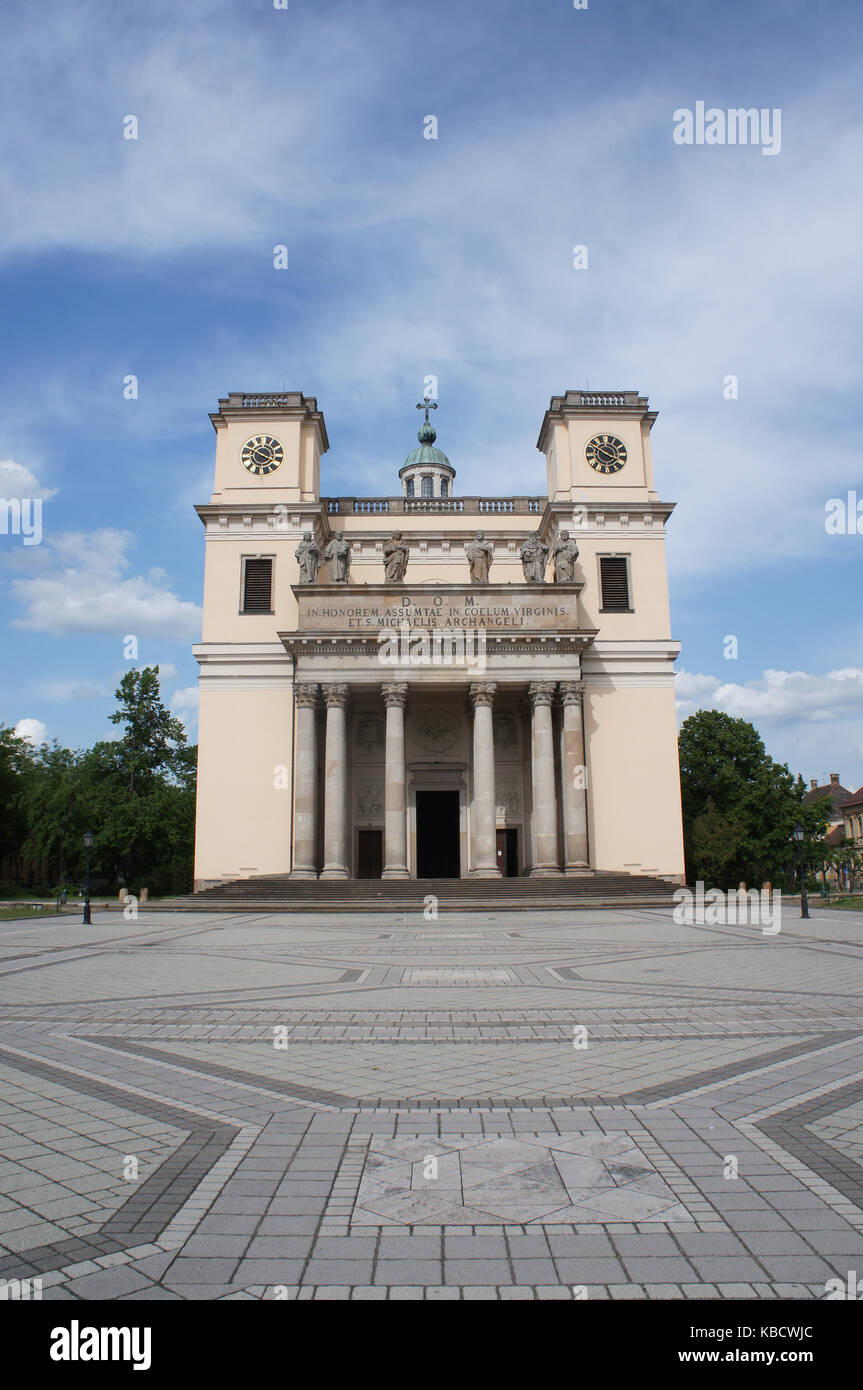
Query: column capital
{"points": [[306, 694], [395, 694], [571, 692], [541, 692], [335, 695], [482, 693]]}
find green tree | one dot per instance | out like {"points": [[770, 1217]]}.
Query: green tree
{"points": [[15, 770], [739, 806], [151, 734]]}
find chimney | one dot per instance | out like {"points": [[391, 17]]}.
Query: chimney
{"points": [[813, 782], [834, 779]]}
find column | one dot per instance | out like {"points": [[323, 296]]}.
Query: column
{"points": [[483, 816], [395, 826], [573, 775], [305, 782], [335, 782], [545, 861]]}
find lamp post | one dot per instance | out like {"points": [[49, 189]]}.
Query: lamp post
{"points": [[799, 835], [89, 837]]}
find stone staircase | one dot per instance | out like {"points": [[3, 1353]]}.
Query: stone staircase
{"points": [[280, 893]]}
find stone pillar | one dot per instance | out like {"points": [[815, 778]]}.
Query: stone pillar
{"points": [[395, 826], [484, 863], [573, 776], [335, 782], [545, 862], [305, 783]]}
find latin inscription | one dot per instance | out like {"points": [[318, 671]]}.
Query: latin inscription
{"points": [[373, 613]]}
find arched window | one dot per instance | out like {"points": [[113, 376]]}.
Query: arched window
{"points": [[409, 490], [428, 486], [444, 488]]}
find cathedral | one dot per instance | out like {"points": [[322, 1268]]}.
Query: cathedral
{"points": [[430, 686]]}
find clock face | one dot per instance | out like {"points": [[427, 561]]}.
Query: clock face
{"points": [[605, 453], [261, 454]]}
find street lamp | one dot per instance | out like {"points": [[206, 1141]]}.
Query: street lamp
{"points": [[89, 837], [799, 835]]}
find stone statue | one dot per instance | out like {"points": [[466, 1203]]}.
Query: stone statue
{"points": [[533, 559], [479, 557], [395, 559], [309, 557], [565, 554], [338, 558]]}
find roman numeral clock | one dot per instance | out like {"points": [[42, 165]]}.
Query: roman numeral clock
{"points": [[262, 454], [606, 453]]}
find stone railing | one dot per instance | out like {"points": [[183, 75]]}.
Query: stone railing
{"points": [[371, 505]]}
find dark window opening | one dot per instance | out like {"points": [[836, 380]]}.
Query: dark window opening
{"points": [[614, 581], [257, 585], [409, 490]]}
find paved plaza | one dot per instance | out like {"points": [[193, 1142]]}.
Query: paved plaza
{"points": [[487, 1105]]}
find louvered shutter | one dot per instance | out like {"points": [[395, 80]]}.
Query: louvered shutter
{"points": [[615, 584], [257, 586]]}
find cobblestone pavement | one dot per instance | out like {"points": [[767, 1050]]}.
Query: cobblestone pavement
{"points": [[510, 1105]]}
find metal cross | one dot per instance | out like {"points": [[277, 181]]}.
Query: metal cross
{"points": [[427, 404]]}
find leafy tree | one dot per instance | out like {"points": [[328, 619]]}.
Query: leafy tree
{"points": [[14, 771], [151, 734], [739, 806], [136, 793]]}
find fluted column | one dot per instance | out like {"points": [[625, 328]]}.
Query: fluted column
{"points": [[483, 817], [573, 776], [305, 783], [545, 863], [395, 827], [335, 782]]}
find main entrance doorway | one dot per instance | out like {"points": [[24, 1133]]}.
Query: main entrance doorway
{"points": [[437, 835]]}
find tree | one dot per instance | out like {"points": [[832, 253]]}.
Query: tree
{"points": [[151, 734], [15, 768], [739, 806], [136, 793]]}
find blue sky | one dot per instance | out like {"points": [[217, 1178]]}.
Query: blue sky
{"points": [[408, 256]]}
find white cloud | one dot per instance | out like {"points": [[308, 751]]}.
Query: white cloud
{"points": [[18, 481], [33, 730], [81, 585], [184, 704], [780, 697]]}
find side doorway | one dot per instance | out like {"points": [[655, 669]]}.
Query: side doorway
{"points": [[507, 853]]}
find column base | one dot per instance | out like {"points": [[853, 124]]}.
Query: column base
{"points": [[334, 873], [545, 871], [484, 873], [577, 870], [303, 873], [395, 873]]}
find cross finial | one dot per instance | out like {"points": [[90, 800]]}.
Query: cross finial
{"points": [[427, 404]]}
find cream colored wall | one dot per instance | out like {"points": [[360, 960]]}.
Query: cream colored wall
{"points": [[647, 578], [243, 820], [634, 783], [570, 475]]}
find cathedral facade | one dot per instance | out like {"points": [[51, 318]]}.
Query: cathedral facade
{"points": [[426, 685]]}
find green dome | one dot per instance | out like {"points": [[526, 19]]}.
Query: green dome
{"points": [[426, 453]]}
